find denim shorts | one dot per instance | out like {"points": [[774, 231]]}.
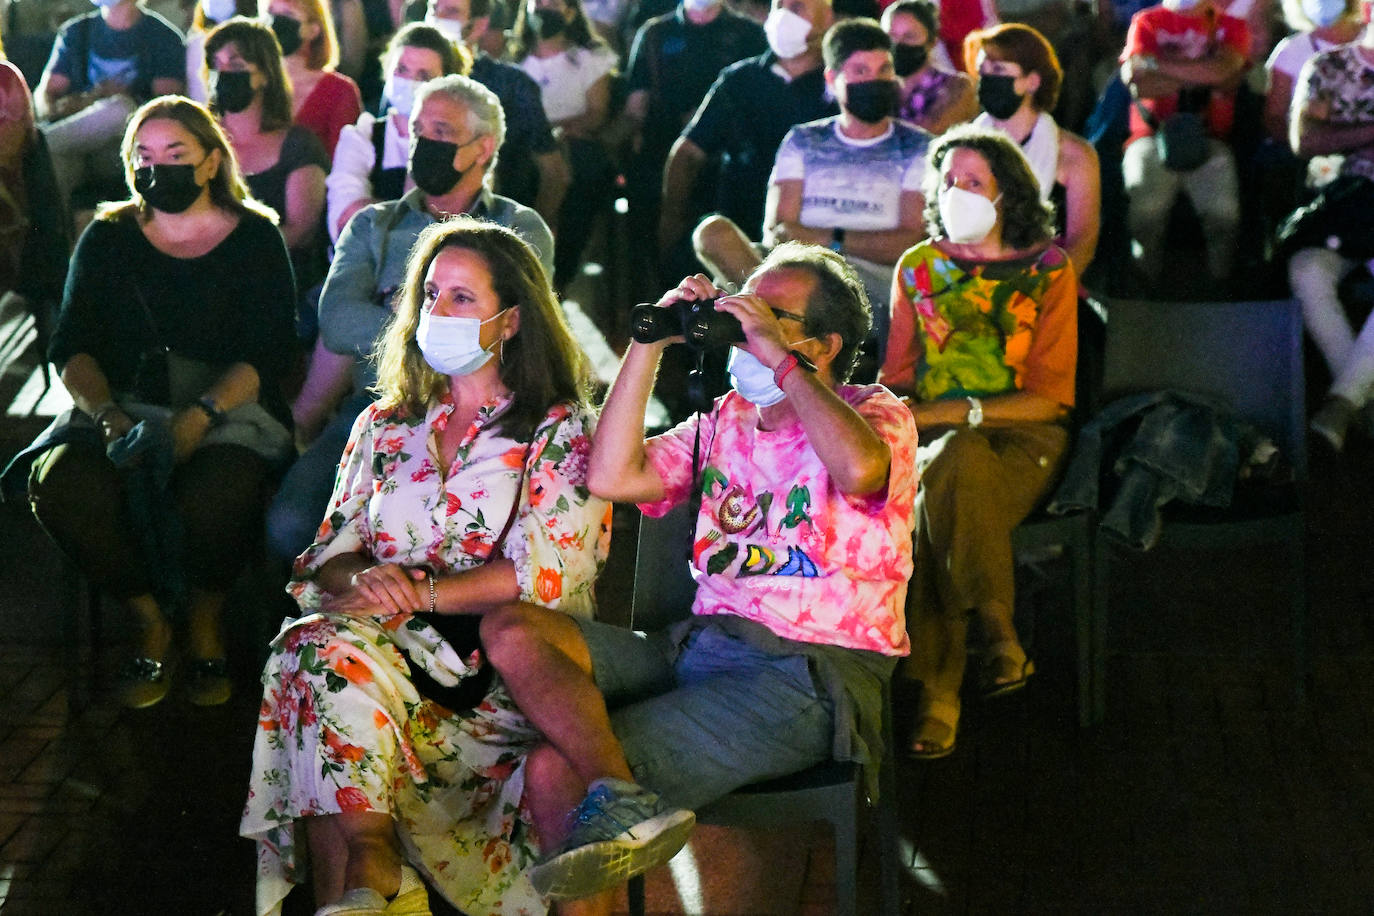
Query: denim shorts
{"points": [[702, 718]]}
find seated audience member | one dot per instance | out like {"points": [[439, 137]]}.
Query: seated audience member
{"points": [[803, 545], [1183, 57], [462, 488], [742, 120], [205, 15], [172, 339], [673, 62], [1018, 83], [1333, 114], [283, 163], [851, 182], [531, 168], [103, 65], [370, 159], [325, 101], [1318, 25], [983, 350], [933, 98], [17, 139], [456, 128], [556, 45]]}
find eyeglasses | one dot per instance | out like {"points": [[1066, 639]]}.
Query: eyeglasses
{"points": [[782, 313]]}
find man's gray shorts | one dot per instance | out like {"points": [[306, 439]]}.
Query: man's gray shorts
{"points": [[702, 719]]}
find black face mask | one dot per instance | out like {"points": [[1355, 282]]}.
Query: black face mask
{"points": [[871, 100], [288, 32], [997, 95], [907, 59], [231, 90], [170, 188], [548, 24], [431, 165]]}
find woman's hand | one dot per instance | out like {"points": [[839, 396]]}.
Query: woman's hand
{"points": [[383, 590]]}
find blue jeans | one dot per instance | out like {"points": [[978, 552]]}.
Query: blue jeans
{"points": [[303, 497], [699, 720]]}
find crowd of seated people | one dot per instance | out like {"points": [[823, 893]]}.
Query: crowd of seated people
{"points": [[287, 310]]}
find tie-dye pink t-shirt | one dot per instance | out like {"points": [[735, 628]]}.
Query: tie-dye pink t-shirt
{"points": [[776, 542]]}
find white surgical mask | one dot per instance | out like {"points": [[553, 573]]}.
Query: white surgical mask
{"points": [[967, 217], [1180, 6], [1322, 13], [453, 345], [787, 33], [699, 6], [752, 379], [452, 28], [219, 10], [400, 93]]}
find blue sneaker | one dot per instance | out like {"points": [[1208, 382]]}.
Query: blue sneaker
{"points": [[620, 830]]}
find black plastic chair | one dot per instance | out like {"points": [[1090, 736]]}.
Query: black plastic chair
{"points": [[1249, 355], [830, 791]]}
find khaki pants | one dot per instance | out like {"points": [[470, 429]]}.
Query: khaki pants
{"points": [[977, 485]]}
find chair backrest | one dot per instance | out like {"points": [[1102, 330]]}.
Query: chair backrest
{"points": [[1248, 354], [664, 587]]}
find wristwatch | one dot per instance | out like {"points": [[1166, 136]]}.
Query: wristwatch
{"points": [[212, 410], [791, 361], [837, 239], [975, 413]]}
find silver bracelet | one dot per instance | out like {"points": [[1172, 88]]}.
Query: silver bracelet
{"points": [[433, 594]]}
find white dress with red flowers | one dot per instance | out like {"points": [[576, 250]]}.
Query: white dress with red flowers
{"points": [[342, 727]]}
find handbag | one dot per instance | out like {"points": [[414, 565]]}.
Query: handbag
{"points": [[1337, 218], [1181, 139], [167, 381]]}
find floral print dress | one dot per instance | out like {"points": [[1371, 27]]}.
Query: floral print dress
{"points": [[342, 727]]}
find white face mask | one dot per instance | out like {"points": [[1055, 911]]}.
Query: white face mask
{"points": [[400, 93], [1322, 13], [967, 217], [1180, 6], [453, 345], [700, 6], [752, 379], [787, 33], [452, 28], [219, 10]]}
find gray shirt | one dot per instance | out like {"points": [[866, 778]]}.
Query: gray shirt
{"points": [[370, 263]]}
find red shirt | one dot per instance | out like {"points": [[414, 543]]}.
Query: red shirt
{"points": [[334, 102], [1160, 32]]}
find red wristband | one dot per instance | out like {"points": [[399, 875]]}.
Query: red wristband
{"points": [[789, 362]]}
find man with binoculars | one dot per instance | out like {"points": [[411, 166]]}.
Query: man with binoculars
{"points": [[803, 489]]}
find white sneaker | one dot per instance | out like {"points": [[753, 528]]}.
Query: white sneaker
{"points": [[411, 900]]}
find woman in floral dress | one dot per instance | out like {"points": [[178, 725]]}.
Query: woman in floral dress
{"points": [[462, 488], [984, 348]]}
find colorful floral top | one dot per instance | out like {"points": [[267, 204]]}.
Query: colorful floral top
{"points": [[393, 502], [975, 329], [777, 543]]}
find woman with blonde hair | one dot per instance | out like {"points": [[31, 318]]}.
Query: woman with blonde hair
{"points": [[173, 336], [325, 99], [462, 489]]}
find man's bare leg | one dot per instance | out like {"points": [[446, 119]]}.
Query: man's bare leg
{"points": [[544, 662]]}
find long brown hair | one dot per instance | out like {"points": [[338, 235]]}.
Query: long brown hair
{"points": [[258, 46], [228, 190], [541, 364]]}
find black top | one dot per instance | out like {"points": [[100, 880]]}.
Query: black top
{"points": [[528, 132], [676, 62], [743, 120], [233, 304], [300, 148]]}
